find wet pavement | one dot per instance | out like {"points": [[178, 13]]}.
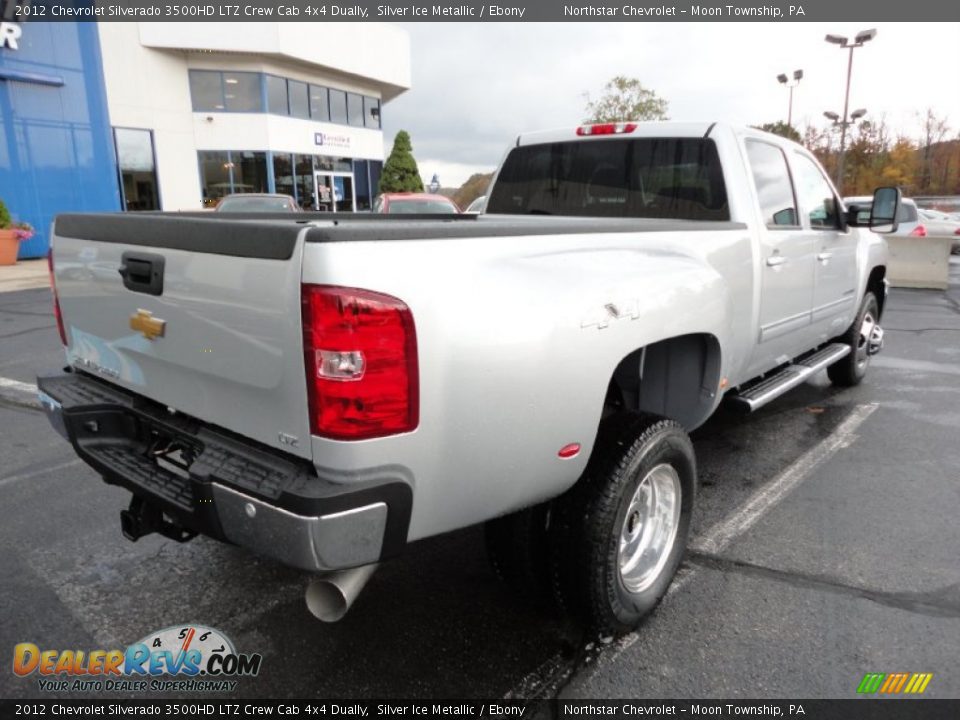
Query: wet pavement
{"points": [[856, 569]]}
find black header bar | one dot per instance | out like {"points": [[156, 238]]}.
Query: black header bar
{"points": [[473, 11]]}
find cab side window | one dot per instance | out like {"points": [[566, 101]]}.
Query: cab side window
{"points": [[771, 177], [815, 194]]}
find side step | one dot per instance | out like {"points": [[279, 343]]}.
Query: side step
{"points": [[756, 396]]}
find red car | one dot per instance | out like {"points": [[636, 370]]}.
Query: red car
{"points": [[415, 203]]}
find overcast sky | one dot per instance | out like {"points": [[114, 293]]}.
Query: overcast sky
{"points": [[476, 85]]}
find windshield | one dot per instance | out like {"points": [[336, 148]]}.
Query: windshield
{"points": [[411, 207], [255, 204], [649, 177]]}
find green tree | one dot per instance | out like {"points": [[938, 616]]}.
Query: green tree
{"points": [[782, 129], [626, 99], [400, 172]]}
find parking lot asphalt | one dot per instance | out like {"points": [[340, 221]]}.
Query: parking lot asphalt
{"points": [[825, 543]]}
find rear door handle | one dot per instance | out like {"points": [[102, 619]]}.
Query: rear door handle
{"points": [[775, 260], [824, 256]]}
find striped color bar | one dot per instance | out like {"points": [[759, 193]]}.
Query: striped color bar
{"points": [[894, 683]]}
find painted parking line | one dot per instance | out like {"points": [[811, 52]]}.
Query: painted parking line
{"points": [[18, 393], [37, 473], [555, 671], [718, 537]]}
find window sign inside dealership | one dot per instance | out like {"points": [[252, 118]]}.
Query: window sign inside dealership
{"points": [[10, 34]]}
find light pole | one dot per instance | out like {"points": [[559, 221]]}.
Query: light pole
{"points": [[782, 78], [836, 122], [859, 40]]}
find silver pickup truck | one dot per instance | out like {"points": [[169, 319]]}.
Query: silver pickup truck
{"points": [[325, 389]]}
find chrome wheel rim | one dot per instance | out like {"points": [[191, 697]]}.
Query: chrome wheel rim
{"points": [[649, 528], [863, 342]]}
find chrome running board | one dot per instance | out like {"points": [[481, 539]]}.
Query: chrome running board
{"points": [[756, 396]]}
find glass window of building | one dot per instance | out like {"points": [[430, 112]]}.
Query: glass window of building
{"points": [[355, 109], [371, 112], [376, 168], [283, 174], [338, 106], [215, 175], [299, 101], [319, 103], [206, 90], [277, 95], [138, 175], [303, 167], [361, 184], [241, 92], [249, 172]]}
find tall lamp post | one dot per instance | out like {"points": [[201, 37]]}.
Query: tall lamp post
{"points": [[859, 40], [784, 80], [836, 122]]}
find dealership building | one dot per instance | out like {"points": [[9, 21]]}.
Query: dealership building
{"points": [[173, 116]]}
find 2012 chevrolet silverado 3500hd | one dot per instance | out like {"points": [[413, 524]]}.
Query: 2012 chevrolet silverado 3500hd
{"points": [[324, 389]]}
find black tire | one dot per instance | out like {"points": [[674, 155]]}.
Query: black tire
{"points": [[517, 550], [589, 519], [851, 370]]}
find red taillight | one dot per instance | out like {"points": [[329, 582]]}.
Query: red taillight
{"points": [[360, 349], [56, 300], [957, 231], [606, 129], [919, 231]]}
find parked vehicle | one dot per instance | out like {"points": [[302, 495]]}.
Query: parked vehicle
{"points": [[909, 223], [325, 390], [940, 223], [476, 206], [257, 203], [414, 204]]}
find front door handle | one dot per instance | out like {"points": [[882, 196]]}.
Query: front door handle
{"points": [[824, 256], [775, 260]]}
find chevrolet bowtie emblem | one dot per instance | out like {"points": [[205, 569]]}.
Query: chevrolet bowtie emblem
{"points": [[144, 322]]}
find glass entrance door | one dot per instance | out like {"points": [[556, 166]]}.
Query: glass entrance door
{"points": [[335, 191]]}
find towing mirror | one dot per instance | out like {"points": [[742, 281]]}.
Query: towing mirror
{"points": [[885, 209]]}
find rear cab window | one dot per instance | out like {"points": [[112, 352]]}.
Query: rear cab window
{"points": [[674, 178]]}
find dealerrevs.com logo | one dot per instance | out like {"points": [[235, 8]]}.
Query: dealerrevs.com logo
{"points": [[182, 658]]}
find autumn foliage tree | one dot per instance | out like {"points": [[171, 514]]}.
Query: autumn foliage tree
{"points": [[626, 99], [875, 156], [400, 172], [475, 186]]}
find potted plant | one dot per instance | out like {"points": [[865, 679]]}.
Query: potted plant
{"points": [[11, 235]]}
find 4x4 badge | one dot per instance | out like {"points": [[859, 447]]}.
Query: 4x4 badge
{"points": [[144, 322]]}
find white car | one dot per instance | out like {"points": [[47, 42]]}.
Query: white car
{"points": [[940, 223], [476, 207], [908, 218]]}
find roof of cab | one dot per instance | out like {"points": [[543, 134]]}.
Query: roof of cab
{"points": [[643, 129]]}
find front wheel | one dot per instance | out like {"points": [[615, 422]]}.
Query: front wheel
{"points": [[864, 337], [620, 533]]}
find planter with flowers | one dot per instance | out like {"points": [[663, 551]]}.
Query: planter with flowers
{"points": [[11, 235]]}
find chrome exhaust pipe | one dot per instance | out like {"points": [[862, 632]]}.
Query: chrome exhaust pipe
{"points": [[330, 596]]}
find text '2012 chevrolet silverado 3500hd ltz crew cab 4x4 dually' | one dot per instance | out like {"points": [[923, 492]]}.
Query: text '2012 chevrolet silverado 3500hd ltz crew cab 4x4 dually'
{"points": [[325, 389]]}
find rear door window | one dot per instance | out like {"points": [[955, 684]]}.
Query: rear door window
{"points": [[645, 177], [771, 178]]}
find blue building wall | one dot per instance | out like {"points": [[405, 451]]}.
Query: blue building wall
{"points": [[56, 147]]}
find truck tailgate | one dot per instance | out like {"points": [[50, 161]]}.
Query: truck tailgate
{"points": [[221, 341]]}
